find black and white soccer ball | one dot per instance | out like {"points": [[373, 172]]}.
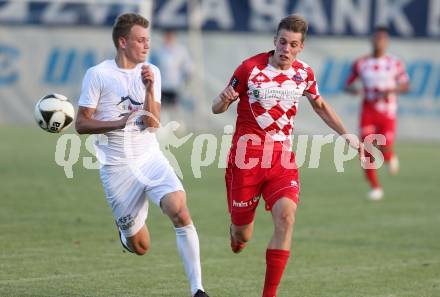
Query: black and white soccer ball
{"points": [[54, 113]]}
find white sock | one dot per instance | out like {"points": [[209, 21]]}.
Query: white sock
{"points": [[188, 247]]}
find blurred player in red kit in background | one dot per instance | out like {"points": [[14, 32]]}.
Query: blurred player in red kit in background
{"points": [[383, 77]]}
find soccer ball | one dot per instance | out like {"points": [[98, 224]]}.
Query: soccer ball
{"points": [[54, 113]]}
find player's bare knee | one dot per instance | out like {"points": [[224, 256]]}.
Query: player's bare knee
{"points": [[140, 251], [242, 236], [139, 245], [285, 221], [141, 248], [174, 205], [181, 217]]}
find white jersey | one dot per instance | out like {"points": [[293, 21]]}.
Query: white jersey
{"points": [[115, 91]]}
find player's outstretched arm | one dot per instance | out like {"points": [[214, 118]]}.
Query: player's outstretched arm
{"points": [[85, 124], [349, 83], [401, 88], [351, 89], [221, 103]]}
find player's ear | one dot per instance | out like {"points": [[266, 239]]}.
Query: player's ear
{"points": [[275, 40], [122, 42]]}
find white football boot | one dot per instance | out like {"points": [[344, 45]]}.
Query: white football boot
{"points": [[375, 194]]}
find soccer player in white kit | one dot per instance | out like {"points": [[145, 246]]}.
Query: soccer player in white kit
{"points": [[120, 98]]}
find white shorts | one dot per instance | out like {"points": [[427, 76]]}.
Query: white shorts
{"points": [[129, 187]]}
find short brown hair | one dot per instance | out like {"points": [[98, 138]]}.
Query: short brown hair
{"points": [[294, 23], [124, 23]]}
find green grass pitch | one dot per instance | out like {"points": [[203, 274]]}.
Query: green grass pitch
{"points": [[57, 235]]}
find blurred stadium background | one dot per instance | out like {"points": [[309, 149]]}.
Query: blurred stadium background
{"points": [[46, 46], [56, 235]]}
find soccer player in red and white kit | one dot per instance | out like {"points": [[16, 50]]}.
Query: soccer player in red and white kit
{"points": [[383, 77], [268, 87]]}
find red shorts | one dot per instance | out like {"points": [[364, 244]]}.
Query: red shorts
{"points": [[374, 122], [272, 180]]}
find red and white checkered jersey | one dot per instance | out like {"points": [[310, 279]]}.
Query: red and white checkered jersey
{"points": [[268, 98], [379, 75]]}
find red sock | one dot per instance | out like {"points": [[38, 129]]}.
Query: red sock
{"points": [[387, 155], [275, 263], [371, 172], [372, 178]]}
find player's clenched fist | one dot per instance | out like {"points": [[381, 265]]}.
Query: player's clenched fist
{"points": [[147, 76], [224, 99], [228, 95]]}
